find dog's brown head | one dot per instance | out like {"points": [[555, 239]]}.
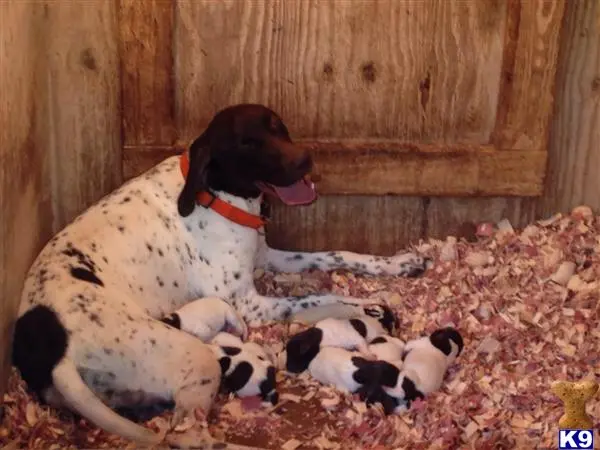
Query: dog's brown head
{"points": [[245, 150]]}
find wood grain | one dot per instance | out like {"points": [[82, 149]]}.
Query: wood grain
{"points": [[146, 72], [24, 170], [82, 103], [528, 76], [574, 157], [422, 71], [448, 216], [383, 167], [381, 225]]}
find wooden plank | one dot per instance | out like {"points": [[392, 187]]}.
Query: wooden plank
{"points": [[528, 74], [380, 225], [330, 71], [146, 71], [82, 103], [458, 216], [381, 167], [26, 212], [574, 156]]}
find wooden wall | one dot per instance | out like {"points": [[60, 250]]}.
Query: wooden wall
{"points": [[60, 129]]}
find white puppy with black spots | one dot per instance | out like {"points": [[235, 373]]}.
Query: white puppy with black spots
{"points": [[246, 368], [349, 334], [424, 365], [189, 228], [387, 348], [207, 318]]}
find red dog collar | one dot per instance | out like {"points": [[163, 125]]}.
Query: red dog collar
{"points": [[230, 212]]}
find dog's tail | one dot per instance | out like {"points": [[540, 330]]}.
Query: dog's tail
{"points": [[81, 399]]}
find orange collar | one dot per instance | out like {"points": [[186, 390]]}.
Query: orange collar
{"points": [[209, 200]]}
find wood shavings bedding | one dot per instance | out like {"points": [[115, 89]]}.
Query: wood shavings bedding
{"points": [[526, 302]]}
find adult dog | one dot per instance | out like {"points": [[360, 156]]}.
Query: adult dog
{"points": [[89, 332]]}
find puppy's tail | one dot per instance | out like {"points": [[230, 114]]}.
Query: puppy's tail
{"points": [[81, 399]]}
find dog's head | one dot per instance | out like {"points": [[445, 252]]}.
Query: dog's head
{"points": [[384, 315], [246, 375], [447, 340], [245, 150]]}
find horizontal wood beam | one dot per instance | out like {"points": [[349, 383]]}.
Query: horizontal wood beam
{"points": [[387, 167]]}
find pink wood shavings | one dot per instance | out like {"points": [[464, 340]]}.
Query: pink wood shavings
{"points": [[527, 303]]}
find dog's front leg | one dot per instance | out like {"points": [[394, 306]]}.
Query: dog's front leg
{"points": [[257, 309], [403, 264]]}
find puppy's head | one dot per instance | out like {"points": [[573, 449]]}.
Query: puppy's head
{"points": [[402, 385], [447, 340], [245, 150], [244, 374], [301, 349], [374, 376], [384, 315]]}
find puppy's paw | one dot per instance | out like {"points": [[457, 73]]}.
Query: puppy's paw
{"points": [[409, 265]]}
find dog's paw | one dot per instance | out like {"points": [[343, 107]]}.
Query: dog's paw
{"points": [[409, 265]]}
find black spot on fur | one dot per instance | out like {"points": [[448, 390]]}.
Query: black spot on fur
{"points": [[40, 342], [379, 340], [238, 378], [359, 326], [94, 318], [237, 275], [231, 351], [175, 283], [267, 386], [160, 282], [160, 252], [152, 342], [411, 392], [121, 228], [85, 275], [149, 247], [224, 362]]}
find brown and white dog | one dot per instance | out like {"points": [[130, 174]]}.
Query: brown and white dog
{"points": [[89, 333]]}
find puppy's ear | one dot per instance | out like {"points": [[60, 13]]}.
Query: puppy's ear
{"points": [[196, 179], [238, 378], [231, 351]]}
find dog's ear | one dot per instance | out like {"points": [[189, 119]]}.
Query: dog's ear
{"points": [[238, 378], [196, 179]]}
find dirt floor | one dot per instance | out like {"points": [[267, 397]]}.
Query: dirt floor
{"points": [[527, 315]]}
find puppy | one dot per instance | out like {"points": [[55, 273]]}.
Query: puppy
{"points": [[387, 348], [245, 373], [339, 367], [207, 317], [229, 340], [424, 365], [349, 334]]}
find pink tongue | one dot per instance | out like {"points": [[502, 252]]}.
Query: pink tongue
{"points": [[300, 193]]}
